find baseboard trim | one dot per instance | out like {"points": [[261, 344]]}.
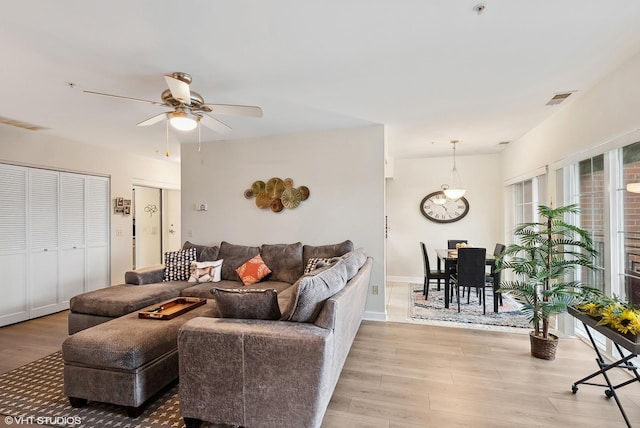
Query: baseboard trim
{"points": [[374, 316], [413, 279]]}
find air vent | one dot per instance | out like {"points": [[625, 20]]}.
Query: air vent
{"points": [[558, 98], [19, 124]]}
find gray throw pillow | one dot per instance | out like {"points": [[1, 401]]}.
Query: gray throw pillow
{"points": [[284, 260], [311, 291], [247, 304], [354, 261]]}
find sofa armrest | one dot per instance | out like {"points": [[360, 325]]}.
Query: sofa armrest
{"points": [[147, 275], [255, 373]]}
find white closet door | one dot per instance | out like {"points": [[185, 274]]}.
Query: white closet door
{"points": [[98, 257], [72, 236], [44, 239], [13, 244]]}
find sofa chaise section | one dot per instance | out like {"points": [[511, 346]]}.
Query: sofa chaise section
{"points": [[269, 374]]}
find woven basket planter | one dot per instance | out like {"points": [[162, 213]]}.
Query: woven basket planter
{"points": [[543, 348]]}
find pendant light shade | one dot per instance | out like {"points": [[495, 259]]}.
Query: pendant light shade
{"points": [[455, 190]]}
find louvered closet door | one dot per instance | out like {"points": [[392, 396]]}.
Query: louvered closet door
{"points": [[98, 255], [44, 239], [13, 244], [72, 236]]}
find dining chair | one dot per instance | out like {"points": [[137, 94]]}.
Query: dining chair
{"points": [[471, 274], [497, 251], [428, 273], [451, 243]]}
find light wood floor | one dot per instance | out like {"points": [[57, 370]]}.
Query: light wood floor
{"points": [[401, 375]]}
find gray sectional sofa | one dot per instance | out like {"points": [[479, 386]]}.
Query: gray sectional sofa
{"points": [[250, 357]]}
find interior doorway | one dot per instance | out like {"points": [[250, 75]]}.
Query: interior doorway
{"points": [[156, 224]]}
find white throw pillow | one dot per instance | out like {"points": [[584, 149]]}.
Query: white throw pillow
{"points": [[206, 271]]}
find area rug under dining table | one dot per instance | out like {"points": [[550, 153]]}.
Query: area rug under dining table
{"points": [[432, 309]]}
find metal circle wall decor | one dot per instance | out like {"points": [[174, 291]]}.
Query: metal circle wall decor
{"points": [[277, 194]]}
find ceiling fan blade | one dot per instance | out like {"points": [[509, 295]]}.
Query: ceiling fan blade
{"points": [[123, 98], [235, 110], [155, 119], [179, 89], [215, 124]]}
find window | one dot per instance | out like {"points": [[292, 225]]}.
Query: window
{"points": [[590, 197], [630, 232]]}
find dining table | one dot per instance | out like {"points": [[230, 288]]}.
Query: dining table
{"points": [[449, 258]]}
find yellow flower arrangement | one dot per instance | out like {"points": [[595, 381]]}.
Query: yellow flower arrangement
{"points": [[622, 317]]}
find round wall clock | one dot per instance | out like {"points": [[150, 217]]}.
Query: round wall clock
{"points": [[448, 212]]}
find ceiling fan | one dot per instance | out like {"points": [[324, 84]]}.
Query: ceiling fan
{"points": [[188, 107]]}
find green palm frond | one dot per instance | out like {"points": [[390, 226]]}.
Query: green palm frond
{"points": [[545, 253]]}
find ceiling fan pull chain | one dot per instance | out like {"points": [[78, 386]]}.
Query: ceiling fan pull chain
{"points": [[199, 138], [167, 122]]}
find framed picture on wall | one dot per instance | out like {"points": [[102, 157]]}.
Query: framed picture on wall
{"points": [[119, 206]]}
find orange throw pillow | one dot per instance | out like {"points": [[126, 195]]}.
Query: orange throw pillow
{"points": [[253, 270]]}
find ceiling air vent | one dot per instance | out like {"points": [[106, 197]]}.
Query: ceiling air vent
{"points": [[19, 124], [558, 98]]}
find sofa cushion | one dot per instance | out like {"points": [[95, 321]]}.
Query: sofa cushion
{"points": [[206, 271], [204, 253], [326, 251], [177, 264], [354, 261], [203, 289], [119, 300], [284, 260], [310, 292], [235, 255], [247, 304], [253, 270]]}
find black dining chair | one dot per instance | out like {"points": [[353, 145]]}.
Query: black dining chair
{"points": [[497, 251], [451, 243], [428, 273], [471, 274]]}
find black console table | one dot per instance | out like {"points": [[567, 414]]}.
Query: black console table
{"points": [[620, 341]]}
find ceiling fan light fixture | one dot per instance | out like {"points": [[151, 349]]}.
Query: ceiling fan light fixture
{"points": [[183, 120]]}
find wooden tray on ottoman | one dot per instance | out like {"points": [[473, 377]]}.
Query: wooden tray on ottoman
{"points": [[172, 308]]}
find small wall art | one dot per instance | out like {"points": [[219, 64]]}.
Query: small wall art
{"points": [[277, 194], [122, 206]]}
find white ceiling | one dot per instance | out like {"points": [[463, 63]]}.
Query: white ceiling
{"points": [[429, 70]]}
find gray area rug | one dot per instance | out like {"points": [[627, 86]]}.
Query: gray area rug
{"points": [[33, 394], [508, 315]]}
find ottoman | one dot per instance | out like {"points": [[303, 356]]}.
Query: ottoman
{"points": [[126, 360]]}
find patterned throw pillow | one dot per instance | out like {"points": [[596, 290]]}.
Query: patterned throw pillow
{"points": [[312, 264], [177, 264], [206, 271], [253, 270]]}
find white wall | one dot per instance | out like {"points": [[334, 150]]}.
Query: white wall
{"points": [[344, 170], [413, 180], [34, 148], [601, 114]]}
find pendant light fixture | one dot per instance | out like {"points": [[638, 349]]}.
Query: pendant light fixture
{"points": [[454, 190]]}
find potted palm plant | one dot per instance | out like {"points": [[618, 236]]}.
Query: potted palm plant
{"points": [[544, 255]]}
